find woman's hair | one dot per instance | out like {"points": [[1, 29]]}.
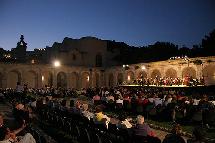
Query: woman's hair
{"points": [[3, 133], [177, 129], [140, 119], [85, 107], [98, 109]]}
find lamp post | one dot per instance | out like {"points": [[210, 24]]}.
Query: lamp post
{"points": [[143, 68], [56, 64]]}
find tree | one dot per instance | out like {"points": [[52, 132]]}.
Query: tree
{"points": [[208, 44]]}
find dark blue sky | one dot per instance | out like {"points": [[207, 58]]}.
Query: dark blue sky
{"points": [[135, 22]]}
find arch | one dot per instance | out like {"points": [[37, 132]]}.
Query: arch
{"points": [[13, 77], [120, 78], [47, 78], [85, 80], [189, 71], [110, 80], [31, 79], [141, 74], [208, 73], [61, 80], [1, 79], [74, 80], [172, 73], [155, 73], [130, 77]]}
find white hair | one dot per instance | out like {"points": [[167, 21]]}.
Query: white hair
{"points": [[140, 119]]}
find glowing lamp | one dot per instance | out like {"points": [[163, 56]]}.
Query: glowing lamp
{"points": [[143, 67], [56, 63]]}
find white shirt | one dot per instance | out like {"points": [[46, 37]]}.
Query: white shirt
{"points": [[195, 102], [119, 101]]}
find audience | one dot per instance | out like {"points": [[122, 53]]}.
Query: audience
{"points": [[141, 128], [165, 104], [175, 137], [85, 111], [8, 136]]}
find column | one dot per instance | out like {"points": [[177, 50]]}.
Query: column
{"points": [[39, 80], [22, 77], [54, 78], [91, 78], [4, 80], [68, 79], [79, 82]]}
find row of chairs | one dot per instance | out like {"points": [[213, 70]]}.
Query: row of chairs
{"points": [[84, 130]]}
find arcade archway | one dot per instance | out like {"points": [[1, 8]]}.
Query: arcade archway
{"points": [[12, 78], [74, 80], [61, 80], [31, 79], [155, 74], [189, 71], [85, 80], [171, 73]]}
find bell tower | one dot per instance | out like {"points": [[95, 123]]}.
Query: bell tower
{"points": [[19, 53]]}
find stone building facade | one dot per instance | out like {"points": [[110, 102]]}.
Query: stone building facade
{"points": [[86, 51], [39, 75]]}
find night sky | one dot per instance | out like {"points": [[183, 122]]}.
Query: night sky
{"points": [[135, 22]]}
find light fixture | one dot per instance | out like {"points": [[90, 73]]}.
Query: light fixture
{"points": [[143, 67], [56, 63], [129, 77]]}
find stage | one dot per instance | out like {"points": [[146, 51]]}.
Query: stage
{"points": [[200, 89], [167, 86]]}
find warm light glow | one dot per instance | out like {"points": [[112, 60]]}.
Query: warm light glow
{"points": [[143, 67], [56, 63], [88, 78], [32, 61], [125, 66], [42, 78], [129, 77]]}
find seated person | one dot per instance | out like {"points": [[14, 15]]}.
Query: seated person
{"points": [[21, 113], [3, 126], [141, 128], [96, 99], [175, 137], [99, 117], [6, 136], [85, 112]]}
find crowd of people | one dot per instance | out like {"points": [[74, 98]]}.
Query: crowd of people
{"points": [[169, 81], [154, 103], [11, 136]]}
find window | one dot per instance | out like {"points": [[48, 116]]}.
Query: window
{"points": [[98, 60], [74, 57]]}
